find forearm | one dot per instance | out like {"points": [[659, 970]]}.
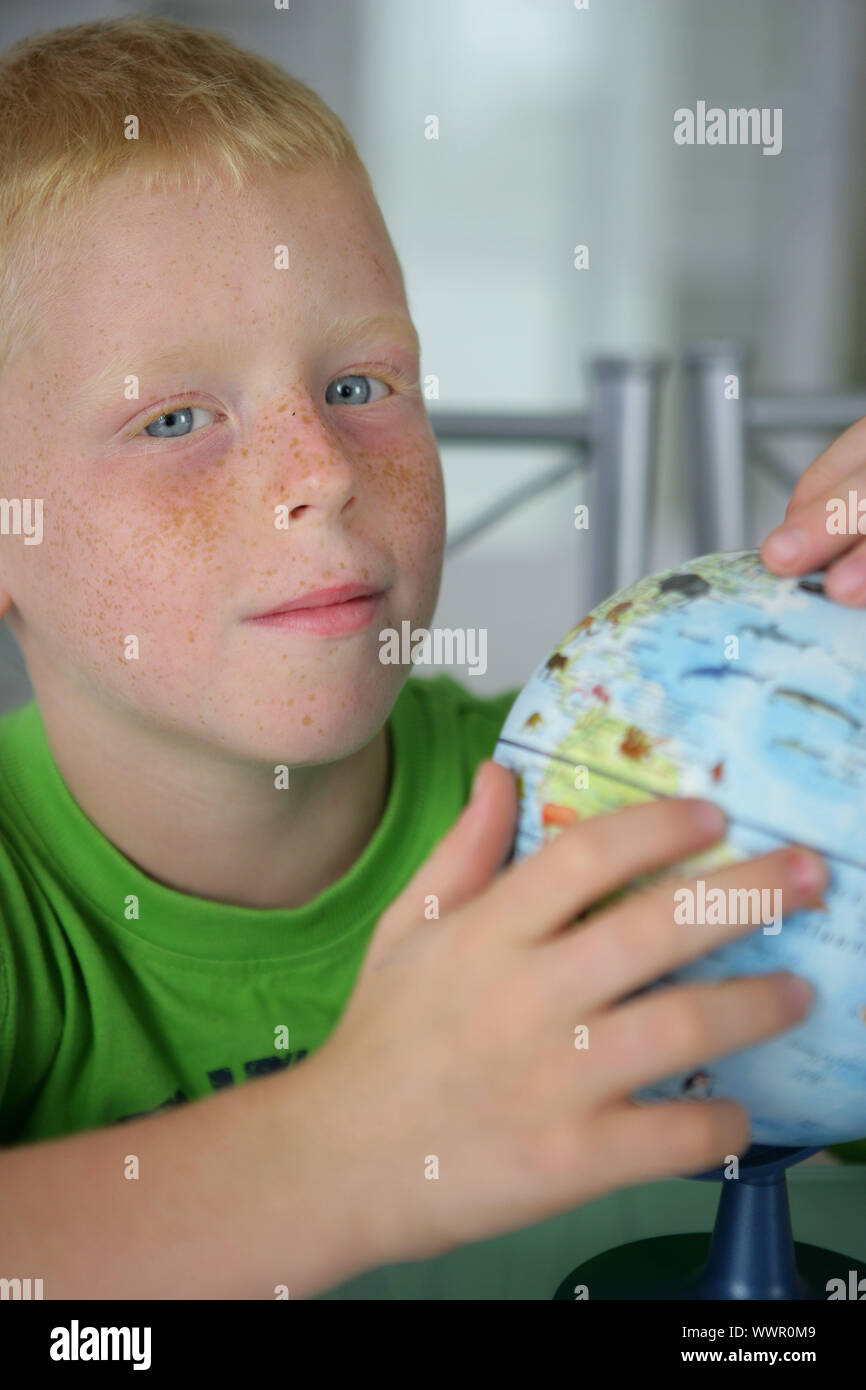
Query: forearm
{"points": [[236, 1196]]}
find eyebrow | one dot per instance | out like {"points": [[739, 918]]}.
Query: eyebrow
{"points": [[338, 332]]}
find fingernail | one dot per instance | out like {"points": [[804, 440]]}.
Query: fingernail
{"points": [[785, 545], [847, 580], [710, 817], [805, 868], [798, 990]]}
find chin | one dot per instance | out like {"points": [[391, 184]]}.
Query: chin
{"points": [[337, 726]]}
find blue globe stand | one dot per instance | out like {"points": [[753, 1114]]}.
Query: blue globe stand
{"points": [[751, 1253]]}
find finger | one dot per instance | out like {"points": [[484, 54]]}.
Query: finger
{"points": [[682, 1027], [663, 1139], [640, 940], [463, 862], [585, 861], [845, 580], [805, 541], [846, 455]]}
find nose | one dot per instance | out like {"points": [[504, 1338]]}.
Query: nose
{"points": [[322, 479]]}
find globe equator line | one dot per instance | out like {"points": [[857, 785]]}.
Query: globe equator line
{"points": [[643, 787]]}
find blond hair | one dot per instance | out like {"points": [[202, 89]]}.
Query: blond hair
{"points": [[66, 97]]}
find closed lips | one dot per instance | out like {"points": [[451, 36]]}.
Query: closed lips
{"points": [[322, 598]]}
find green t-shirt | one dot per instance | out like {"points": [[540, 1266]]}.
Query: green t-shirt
{"points": [[104, 1016]]}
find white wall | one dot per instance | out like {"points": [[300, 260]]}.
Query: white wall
{"points": [[556, 126]]}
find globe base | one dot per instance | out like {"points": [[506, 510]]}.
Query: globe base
{"points": [[672, 1267], [750, 1254]]}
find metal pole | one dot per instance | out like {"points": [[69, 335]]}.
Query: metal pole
{"points": [[716, 434], [624, 424]]}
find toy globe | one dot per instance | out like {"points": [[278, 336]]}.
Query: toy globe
{"points": [[721, 680]]}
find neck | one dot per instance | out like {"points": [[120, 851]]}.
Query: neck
{"points": [[207, 823]]}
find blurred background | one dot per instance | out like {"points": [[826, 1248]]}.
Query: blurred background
{"points": [[556, 129]]}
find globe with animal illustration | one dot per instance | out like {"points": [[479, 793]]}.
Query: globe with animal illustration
{"points": [[721, 680]]}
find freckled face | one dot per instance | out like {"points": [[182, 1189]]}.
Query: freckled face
{"points": [[275, 475]]}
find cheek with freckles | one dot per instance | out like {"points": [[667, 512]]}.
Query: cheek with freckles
{"points": [[407, 512], [128, 552]]}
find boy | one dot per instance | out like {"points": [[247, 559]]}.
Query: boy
{"points": [[221, 833]]}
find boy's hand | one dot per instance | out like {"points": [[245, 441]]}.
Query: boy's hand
{"points": [[452, 1082], [804, 542]]}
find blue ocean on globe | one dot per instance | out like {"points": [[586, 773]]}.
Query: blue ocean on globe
{"points": [[721, 680]]}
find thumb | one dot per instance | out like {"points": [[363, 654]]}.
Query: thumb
{"points": [[461, 864]]}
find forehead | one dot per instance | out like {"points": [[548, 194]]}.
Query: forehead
{"points": [[317, 213], [290, 252]]}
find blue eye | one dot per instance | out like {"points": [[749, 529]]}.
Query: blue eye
{"points": [[178, 422], [356, 393]]}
